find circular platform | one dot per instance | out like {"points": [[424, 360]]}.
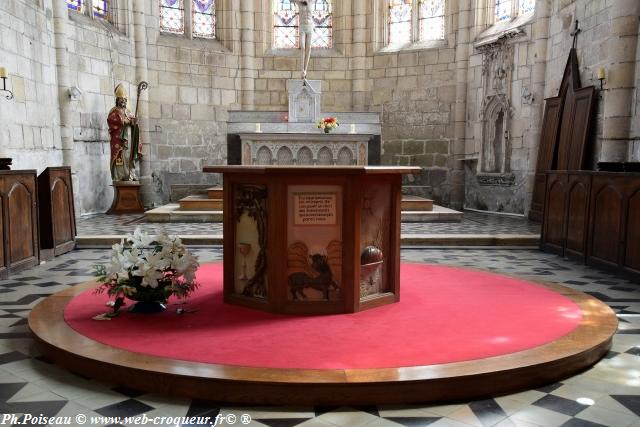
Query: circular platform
{"points": [[456, 334]]}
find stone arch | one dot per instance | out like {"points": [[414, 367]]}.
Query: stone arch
{"points": [[495, 155], [325, 156], [284, 157], [305, 156], [264, 156], [345, 157]]}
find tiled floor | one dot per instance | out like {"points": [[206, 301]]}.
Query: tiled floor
{"points": [[473, 223], [608, 394]]}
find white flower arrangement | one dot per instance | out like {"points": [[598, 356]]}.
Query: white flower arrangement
{"points": [[148, 268]]}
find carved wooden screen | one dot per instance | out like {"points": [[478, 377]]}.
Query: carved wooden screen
{"points": [[549, 135], [546, 154], [565, 131]]}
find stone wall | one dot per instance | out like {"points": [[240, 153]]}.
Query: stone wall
{"points": [[30, 125], [431, 97]]}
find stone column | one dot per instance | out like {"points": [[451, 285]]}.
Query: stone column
{"points": [[462, 68], [60, 17], [358, 53], [620, 65], [140, 52], [540, 38], [248, 52]]}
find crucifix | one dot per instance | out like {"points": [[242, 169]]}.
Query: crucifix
{"points": [[575, 33]]}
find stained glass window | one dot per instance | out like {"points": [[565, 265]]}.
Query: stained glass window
{"points": [[526, 6], [285, 25], [204, 19], [74, 5], [400, 18], [322, 19], [503, 10], [99, 8], [431, 20], [172, 16]]}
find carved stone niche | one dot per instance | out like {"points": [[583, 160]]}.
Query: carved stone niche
{"points": [[496, 146], [494, 166]]}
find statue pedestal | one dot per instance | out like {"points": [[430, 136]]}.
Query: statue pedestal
{"points": [[126, 198]]}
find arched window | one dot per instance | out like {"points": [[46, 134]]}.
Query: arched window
{"points": [[507, 9], [526, 6], [203, 17], [400, 21], [323, 20], [99, 8], [172, 16], [286, 24], [411, 21], [75, 5], [431, 20]]}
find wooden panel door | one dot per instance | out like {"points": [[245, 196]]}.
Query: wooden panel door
{"points": [[549, 134], [3, 265], [606, 225], [632, 244], [578, 149], [546, 155], [554, 218], [577, 215], [21, 227], [61, 207]]}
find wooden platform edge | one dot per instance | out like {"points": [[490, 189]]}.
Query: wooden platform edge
{"points": [[467, 380]]}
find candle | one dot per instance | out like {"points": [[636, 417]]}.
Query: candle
{"points": [[353, 128], [258, 127], [3, 72], [601, 73]]}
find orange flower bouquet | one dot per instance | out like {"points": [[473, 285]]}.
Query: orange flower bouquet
{"points": [[328, 124]]}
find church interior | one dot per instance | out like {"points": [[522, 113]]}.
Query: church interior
{"points": [[315, 157]]}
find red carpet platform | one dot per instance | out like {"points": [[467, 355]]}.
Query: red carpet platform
{"points": [[444, 315], [453, 328]]}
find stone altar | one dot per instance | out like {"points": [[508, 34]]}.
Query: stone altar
{"points": [[271, 138]]}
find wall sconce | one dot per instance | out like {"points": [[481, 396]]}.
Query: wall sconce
{"points": [[3, 76], [75, 93], [601, 75]]}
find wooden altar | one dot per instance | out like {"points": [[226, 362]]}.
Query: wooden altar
{"points": [[311, 240]]}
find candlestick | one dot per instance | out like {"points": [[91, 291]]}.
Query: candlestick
{"points": [[601, 73]]}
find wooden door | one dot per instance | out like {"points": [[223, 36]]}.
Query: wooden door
{"points": [[606, 223], [21, 228], [632, 244], [554, 218], [546, 155], [577, 215], [3, 265]]}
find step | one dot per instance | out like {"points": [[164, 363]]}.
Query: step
{"points": [[174, 213], [215, 192], [200, 203], [416, 203], [406, 240]]}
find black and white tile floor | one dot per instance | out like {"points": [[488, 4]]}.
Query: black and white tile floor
{"points": [[473, 223], [607, 394]]}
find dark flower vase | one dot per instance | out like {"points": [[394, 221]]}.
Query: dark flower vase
{"points": [[147, 307], [149, 300]]}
